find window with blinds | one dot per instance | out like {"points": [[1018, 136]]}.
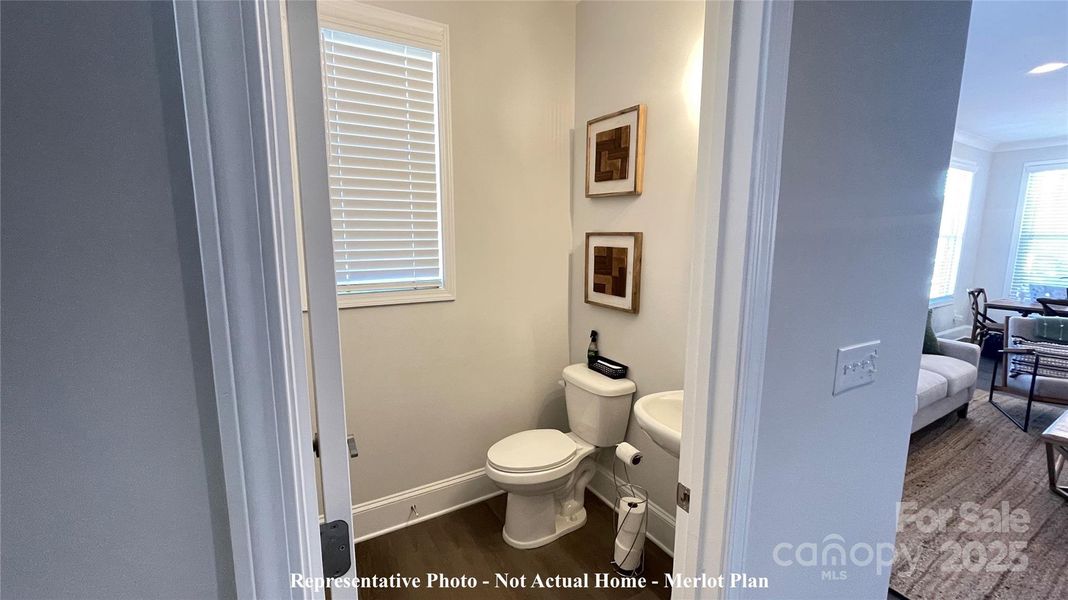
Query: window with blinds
{"points": [[957, 195], [381, 102], [1041, 258]]}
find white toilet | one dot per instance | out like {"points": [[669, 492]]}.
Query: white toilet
{"points": [[545, 471]]}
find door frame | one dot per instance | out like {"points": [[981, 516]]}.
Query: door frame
{"points": [[306, 126], [743, 108], [231, 57]]}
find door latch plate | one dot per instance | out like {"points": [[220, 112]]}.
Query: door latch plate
{"points": [[682, 497], [335, 539]]}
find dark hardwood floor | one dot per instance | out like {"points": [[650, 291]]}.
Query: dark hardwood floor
{"points": [[469, 542]]}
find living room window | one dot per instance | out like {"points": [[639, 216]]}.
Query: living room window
{"points": [[1041, 251], [385, 102], [956, 197]]}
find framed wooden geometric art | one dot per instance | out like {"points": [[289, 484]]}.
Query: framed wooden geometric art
{"points": [[614, 270], [615, 153]]}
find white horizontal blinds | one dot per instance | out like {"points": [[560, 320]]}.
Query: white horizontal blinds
{"points": [[957, 194], [381, 113], [1042, 249]]}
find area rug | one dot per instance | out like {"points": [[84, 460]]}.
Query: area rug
{"points": [[977, 518]]}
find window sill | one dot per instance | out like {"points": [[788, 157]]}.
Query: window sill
{"points": [[940, 302], [392, 298]]}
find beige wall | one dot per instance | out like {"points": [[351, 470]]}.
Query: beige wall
{"points": [[629, 53], [430, 387], [427, 388]]}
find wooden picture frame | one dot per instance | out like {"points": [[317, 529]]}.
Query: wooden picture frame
{"points": [[615, 153], [613, 275]]}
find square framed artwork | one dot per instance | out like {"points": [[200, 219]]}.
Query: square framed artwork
{"points": [[615, 153], [614, 270]]}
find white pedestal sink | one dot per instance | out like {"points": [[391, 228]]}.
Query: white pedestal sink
{"points": [[660, 416]]}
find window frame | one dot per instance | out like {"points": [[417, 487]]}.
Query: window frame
{"points": [[1028, 168], [399, 28], [973, 168]]}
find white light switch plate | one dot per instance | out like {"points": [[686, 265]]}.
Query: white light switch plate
{"points": [[856, 366]]}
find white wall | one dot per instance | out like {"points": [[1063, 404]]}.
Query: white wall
{"points": [[112, 483], [430, 387], [872, 93], [945, 317], [989, 236], [629, 53], [999, 215]]}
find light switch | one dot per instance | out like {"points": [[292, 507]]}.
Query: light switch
{"points": [[856, 366]]}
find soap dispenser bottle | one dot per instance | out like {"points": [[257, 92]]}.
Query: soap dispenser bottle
{"points": [[591, 351]]}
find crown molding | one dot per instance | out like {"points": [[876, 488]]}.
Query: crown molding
{"points": [[1032, 144], [984, 143], [975, 141]]}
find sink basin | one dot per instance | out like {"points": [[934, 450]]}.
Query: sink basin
{"points": [[660, 416]]}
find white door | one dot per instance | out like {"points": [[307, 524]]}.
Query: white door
{"points": [[335, 447]]}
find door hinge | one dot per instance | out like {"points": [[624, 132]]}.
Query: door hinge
{"points": [[350, 440], [682, 497], [335, 539]]}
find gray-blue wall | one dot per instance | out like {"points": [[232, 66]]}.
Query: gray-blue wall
{"points": [[870, 107], [110, 462]]}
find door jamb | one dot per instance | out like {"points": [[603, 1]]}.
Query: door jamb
{"points": [[231, 63], [747, 46], [305, 97]]}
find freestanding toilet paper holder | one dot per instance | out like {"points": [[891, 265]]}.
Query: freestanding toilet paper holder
{"points": [[631, 520], [631, 517]]}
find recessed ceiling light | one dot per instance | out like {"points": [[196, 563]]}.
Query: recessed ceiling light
{"points": [[1047, 68]]}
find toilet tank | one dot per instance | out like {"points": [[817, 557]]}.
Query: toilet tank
{"points": [[598, 408]]}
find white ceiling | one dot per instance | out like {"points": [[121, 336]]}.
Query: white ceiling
{"points": [[999, 101]]}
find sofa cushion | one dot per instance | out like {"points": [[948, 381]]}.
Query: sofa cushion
{"points": [[958, 374], [1050, 387], [929, 388]]}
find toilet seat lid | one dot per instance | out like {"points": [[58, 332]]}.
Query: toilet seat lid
{"points": [[533, 450]]}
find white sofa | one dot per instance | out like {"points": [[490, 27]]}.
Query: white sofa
{"points": [[946, 382]]}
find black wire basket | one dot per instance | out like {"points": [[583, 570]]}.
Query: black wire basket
{"points": [[608, 367]]}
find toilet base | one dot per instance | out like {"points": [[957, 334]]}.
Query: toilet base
{"points": [[544, 506], [564, 525]]}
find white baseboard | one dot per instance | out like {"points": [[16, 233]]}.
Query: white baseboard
{"points": [[956, 333], [661, 527], [384, 515], [379, 517]]}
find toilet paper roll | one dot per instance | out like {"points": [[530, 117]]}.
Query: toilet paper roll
{"points": [[630, 539], [628, 454], [631, 515], [628, 556]]}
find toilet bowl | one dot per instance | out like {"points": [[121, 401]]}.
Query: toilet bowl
{"points": [[545, 471]]}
